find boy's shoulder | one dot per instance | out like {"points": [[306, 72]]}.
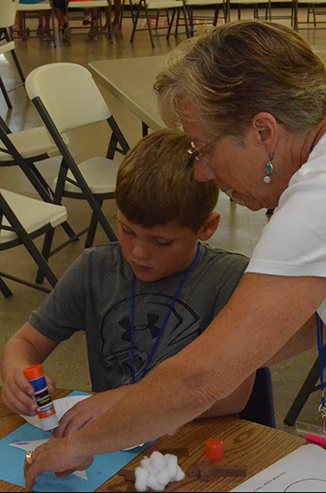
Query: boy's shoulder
{"points": [[103, 256], [214, 254]]}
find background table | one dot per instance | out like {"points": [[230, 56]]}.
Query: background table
{"points": [[131, 81], [245, 444]]}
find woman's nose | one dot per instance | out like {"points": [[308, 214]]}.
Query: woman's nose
{"points": [[203, 173]]}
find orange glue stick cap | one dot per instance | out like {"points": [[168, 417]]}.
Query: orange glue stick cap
{"points": [[214, 449], [34, 372]]}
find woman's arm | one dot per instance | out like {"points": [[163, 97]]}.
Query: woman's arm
{"points": [[233, 403], [262, 315], [26, 348]]}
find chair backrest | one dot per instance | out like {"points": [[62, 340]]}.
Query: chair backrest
{"points": [[8, 10], [69, 94]]}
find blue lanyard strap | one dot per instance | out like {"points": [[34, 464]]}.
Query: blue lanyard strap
{"points": [[320, 341], [132, 321]]}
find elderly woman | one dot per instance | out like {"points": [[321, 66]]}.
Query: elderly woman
{"points": [[251, 97]]}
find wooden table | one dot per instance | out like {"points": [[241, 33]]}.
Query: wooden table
{"points": [[245, 444], [131, 81]]}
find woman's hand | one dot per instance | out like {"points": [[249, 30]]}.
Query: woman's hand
{"points": [[17, 392], [87, 410], [58, 456]]}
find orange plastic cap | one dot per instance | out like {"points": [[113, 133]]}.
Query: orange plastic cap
{"points": [[34, 372], [214, 449]]}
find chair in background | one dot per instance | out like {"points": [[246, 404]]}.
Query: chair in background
{"points": [[252, 3], [78, 103], [151, 10], [28, 10], [282, 9], [311, 9], [22, 219], [194, 17], [26, 148], [8, 10], [308, 387], [260, 407], [74, 5]]}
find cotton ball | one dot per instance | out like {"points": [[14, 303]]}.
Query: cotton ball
{"points": [[157, 462], [172, 466], [153, 483], [163, 477], [180, 474], [141, 479], [146, 463]]}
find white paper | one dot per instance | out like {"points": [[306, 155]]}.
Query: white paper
{"points": [[302, 470], [30, 446], [61, 406]]}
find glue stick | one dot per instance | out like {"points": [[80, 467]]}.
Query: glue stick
{"points": [[46, 411]]}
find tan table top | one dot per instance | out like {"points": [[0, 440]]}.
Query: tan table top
{"points": [[131, 81], [245, 444]]}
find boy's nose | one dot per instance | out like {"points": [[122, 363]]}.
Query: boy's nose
{"points": [[140, 251]]}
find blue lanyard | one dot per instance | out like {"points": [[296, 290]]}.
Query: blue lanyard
{"points": [[320, 341], [132, 321]]}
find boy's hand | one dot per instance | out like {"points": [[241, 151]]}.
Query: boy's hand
{"points": [[87, 410], [17, 393]]}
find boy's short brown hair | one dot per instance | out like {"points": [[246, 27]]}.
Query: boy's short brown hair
{"points": [[156, 184]]}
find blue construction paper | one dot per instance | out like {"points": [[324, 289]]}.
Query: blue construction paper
{"points": [[102, 469]]}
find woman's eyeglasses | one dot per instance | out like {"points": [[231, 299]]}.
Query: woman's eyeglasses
{"points": [[203, 154]]}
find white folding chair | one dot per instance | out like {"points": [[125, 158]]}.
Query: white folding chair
{"points": [[195, 17], [151, 10], [31, 8], [22, 219], [8, 10], [24, 149], [77, 103]]}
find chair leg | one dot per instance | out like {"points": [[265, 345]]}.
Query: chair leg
{"points": [[19, 69], [170, 24], [307, 388], [135, 21], [149, 26], [4, 289], [46, 253], [5, 94], [216, 15], [93, 225]]}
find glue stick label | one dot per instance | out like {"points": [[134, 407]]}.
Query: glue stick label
{"points": [[46, 411]]}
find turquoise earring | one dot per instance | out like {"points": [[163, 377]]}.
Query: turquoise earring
{"points": [[269, 169]]}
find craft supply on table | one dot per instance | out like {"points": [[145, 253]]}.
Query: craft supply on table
{"points": [[46, 411], [214, 449], [157, 471], [13, 450], [205, 471]]}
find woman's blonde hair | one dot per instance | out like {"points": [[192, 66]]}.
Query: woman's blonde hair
{"points": [[156, 184], [240, 69]]}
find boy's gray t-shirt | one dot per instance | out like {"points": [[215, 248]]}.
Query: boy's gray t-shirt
{"points": [[94, 295]]}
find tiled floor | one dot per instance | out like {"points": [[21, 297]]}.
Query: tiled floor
{"points": [[239, 229]]}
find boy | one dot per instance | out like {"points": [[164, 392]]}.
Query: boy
{"points": [[140, 300]]}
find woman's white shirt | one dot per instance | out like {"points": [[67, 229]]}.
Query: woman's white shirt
{"points": [[293, 243]]}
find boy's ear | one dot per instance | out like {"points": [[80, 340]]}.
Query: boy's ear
{"points": [[209, 227]]}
